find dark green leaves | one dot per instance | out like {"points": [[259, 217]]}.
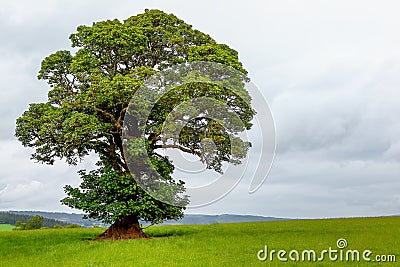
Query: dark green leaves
{"points": [[106, 195]]}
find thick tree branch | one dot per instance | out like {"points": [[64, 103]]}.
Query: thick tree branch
{"points": [[182, 148], [117, 123]]}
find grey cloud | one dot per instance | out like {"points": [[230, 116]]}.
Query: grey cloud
{"points": [[355, 119], [302, 188]]}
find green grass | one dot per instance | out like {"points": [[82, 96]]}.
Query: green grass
{"points": [[6, 227], [202, 245]]}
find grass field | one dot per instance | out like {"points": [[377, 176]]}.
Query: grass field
{"points": [[6, 227], [203, 245]]}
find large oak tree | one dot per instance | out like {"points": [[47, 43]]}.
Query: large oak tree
{"points": [[90, 91]]}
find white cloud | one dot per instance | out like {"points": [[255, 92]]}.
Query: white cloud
{"points": [[26, 185], [20, 191]]}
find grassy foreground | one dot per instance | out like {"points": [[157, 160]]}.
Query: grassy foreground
{"points": [[203, 245]]}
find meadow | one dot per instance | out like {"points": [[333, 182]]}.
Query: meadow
{"points": [[235, 244], [6, 227]]}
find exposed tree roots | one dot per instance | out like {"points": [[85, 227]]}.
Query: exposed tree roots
{"points": [[126, 228]]}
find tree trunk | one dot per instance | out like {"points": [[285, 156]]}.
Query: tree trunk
{"points": [[126, 228]]}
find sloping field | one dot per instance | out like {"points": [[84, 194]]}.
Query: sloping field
{"points": [[6, 227], [214, 245]]}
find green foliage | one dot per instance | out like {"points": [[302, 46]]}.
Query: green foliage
{"points": [[108, 195], [220, 53], [35, 222], [90, 91], [20, 225], [234, 244]]}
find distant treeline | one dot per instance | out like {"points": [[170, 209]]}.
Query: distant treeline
{"points": [[10, 218]]}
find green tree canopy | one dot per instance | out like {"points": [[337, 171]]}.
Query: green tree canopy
{"points": [[35, 222], [90, 91]]}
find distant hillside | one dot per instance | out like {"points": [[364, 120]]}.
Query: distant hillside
{"points": [[12, 218], [188, 219], [66, 218]]}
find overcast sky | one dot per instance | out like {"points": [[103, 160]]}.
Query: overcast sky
{"points": [[330, 71]]}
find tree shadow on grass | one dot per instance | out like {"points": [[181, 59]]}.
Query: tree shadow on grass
{"points": [[90, 236], [153, 232], [157, 232]]}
